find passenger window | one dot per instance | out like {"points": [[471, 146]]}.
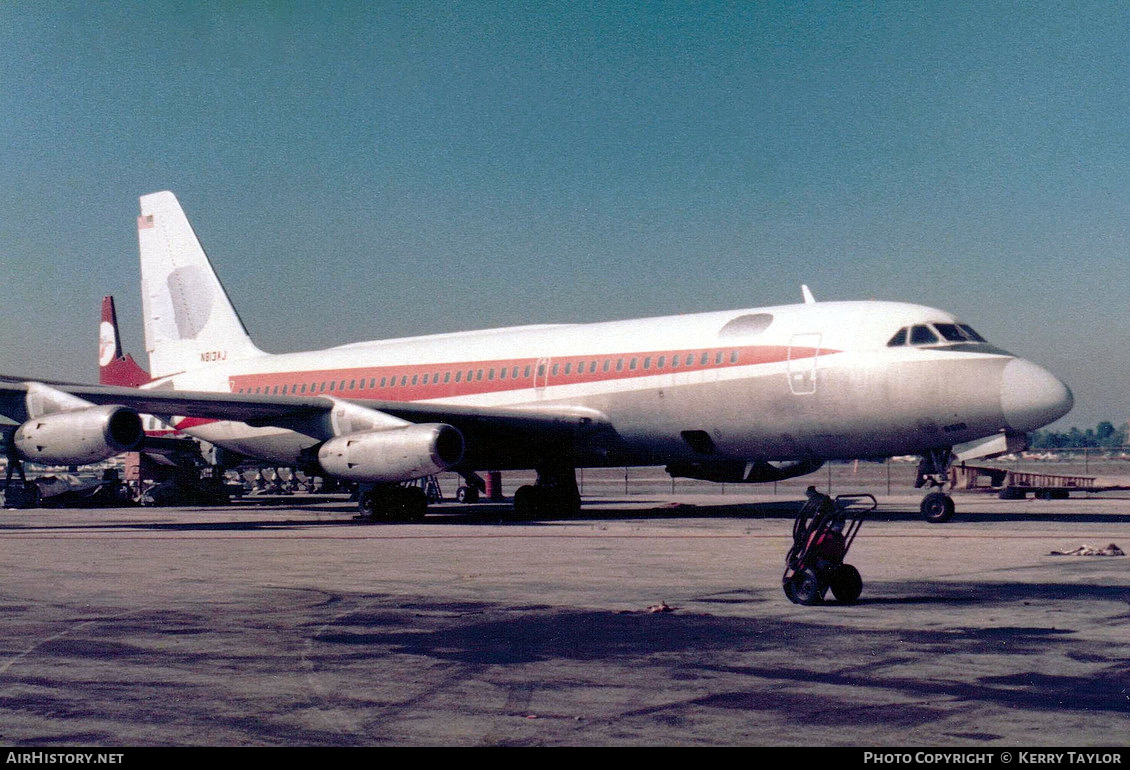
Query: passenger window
{"points": [[733, 356], [647, 362], [661, 362], [514, 373]]}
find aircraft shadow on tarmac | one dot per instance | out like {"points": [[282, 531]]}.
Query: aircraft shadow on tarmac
{"points": [[485, 634], [271, 517]]}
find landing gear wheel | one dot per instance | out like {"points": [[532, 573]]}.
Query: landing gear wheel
{"points": [[806, 587], [937, 507], [413, 505], [846, 584], [467, 495], [393, 504], [526, 502], [368, 505]]}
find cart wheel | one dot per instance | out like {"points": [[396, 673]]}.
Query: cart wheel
{"points": [[846, 584], [807, 588], [790, 592], [937, 507]]}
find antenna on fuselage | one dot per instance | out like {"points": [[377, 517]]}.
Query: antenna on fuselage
{"points": [[808, 298]]}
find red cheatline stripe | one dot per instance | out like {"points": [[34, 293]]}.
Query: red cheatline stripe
{"points": [[428, 381]]}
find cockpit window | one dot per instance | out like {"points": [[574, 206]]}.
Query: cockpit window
{"points": [[921, 335], [972, 334], [951, 332], [924, 334], [958, 332], [898, 339]]}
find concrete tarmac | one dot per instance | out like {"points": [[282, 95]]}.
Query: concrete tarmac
{"points": [[648, 620]]}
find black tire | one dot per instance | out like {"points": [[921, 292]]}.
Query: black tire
{"points": [[937, 508], [790, 592], [846, 584], [367, 504], [526, 502], [807, 587], [467, 495], [415, 505]]}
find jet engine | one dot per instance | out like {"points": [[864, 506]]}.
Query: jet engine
{"points": [[395, 454], [79, 436], [739, 472]]}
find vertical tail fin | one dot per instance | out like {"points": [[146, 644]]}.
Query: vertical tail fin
{"points": [[114, 368], [189, 320]]}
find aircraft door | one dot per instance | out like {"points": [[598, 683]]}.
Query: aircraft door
{"points": [[804, 351], [541, 376]]}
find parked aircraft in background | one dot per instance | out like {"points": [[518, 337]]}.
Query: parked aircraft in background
{"points": [[750, 395]]}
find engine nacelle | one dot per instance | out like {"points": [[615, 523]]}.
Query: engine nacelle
{"points": [[738, 472], [396, 454], [79, 436]]}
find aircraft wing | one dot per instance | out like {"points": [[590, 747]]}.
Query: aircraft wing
{"points": [[495, 436]]}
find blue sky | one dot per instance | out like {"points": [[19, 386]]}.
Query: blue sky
{"points": [[367, 170]]}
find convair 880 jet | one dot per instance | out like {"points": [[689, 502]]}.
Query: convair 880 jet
{"points": [[750, 395]]}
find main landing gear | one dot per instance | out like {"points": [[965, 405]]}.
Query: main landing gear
{"points": [[470, 492], [822, 535], [393, 503], [554, 494], [933, 473], [23, 494]]}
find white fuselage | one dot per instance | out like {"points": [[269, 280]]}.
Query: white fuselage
{"points": [[812, 381]]}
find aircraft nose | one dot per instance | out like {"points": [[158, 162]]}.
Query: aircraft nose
{"points": [[1031, 396]]}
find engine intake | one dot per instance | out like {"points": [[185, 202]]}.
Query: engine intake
{"points": [[79, 436], [396, 454]]}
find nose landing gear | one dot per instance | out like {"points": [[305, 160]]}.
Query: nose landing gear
{"points": [[933, 472]]}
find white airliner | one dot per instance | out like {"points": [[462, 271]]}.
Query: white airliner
{"points": [[747, 395]]}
